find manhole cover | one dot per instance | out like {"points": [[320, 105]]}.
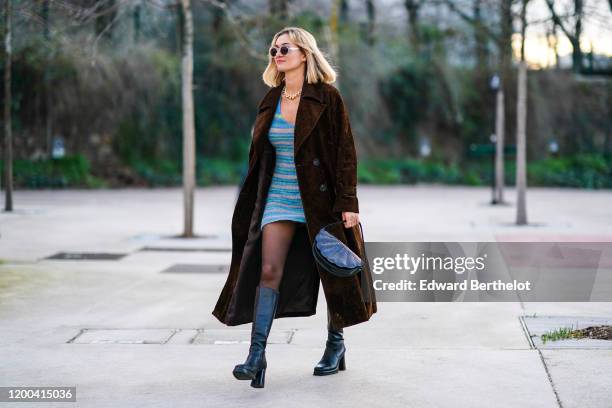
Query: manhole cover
{"points": [[184, 249], [238, 336], [123, 336], [539, 325], [196, 268], [81, 256]]}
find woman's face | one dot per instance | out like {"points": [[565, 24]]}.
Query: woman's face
{"points": [[294, 58]]}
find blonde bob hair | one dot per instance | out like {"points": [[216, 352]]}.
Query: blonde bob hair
{"points": [[317, 66]]}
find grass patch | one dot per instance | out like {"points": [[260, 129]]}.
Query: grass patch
{"points": [[562, 333], [603, 332]]}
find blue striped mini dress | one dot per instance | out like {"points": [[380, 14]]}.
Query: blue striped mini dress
{"points": [[283, 201]]}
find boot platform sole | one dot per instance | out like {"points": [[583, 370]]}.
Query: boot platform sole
{"points": [[243, 375]]}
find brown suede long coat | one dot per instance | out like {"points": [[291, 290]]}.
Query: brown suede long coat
{"points": [[326, 167]]}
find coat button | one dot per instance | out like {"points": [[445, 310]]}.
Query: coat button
{"points": [[323, 187], [316, 161]]}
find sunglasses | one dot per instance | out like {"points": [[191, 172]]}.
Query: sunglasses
{"points": [[284, 50]]}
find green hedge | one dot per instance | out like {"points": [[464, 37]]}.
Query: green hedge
{"points": [[591, 171], [581, 171], [209, 171], [69, 171]]}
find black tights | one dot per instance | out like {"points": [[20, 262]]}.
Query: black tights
{"points": [[276, 241]]}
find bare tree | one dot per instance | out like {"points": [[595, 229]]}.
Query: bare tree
{"points": [[521, 127], [330, 31], [552, 39], [502, 37], [137, 21], [188, 117], [8, 101], [480, 37], [521, 143], [412, 9], [44, 12], [104, 22], [523, 20], [573, 34], [500, 134], [505, 39], [237, 29], [279, 8], [371, 24]]}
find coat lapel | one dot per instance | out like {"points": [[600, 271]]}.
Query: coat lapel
{"points": [[309, 112], [263, 121]]}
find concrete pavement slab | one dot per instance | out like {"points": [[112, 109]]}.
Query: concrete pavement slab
{"points": [[409, 354], [581, 377]]}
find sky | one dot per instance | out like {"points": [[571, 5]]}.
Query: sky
{"points": [[597, 34], [597, 29]]}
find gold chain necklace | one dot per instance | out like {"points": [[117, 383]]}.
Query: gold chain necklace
{"points": [[292, 97]]}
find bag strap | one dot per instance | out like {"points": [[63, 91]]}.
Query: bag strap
{"points": [[363, 240], [333, 223], [342, 222]]}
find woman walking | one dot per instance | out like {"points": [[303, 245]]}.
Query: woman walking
{"points": [[302, 176]]}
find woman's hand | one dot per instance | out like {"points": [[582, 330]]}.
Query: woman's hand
{"points": [[350, 219]]}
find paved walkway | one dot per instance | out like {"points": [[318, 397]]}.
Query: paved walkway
{"points": [[82, 322]]}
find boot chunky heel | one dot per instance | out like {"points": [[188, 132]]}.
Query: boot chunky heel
{"points": [[342, 366], [254, 368], [333, 356], [258, 381]]}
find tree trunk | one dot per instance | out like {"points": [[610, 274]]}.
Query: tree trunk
{"points": [[576, 50], [499, 146], [521, 126], [521, 139], [371, 27], [555, 44], [523, 27], [480, 40], [331, 34], [8, 101], [136, 19], [573, 37], [188, 118], [46, 94], [505, 41], [505, 65], [576, 56], [412, 9]]}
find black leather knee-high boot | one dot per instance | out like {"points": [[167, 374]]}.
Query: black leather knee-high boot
{"points": [[333, 357], [254, 368]]}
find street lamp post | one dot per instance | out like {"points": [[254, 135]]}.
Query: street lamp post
{"points": [[497, 138], [492, 138]]}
